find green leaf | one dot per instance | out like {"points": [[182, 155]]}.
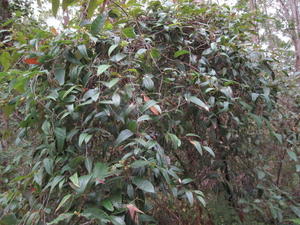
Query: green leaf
{"points": [[5, 60], [173, 139], [292, 155], [92, 94], [84, 137], [63, 201], [98, 24], [61, 217], [70, 57], [9, 220], [69, 91], [48, 165], [118, 57], [107, 205], [181, 52], [38, 177], [111, 83], [46, 127], [83, 183], [296, 210], [94, 213], [88, 164], [60, 75], [296, 221], [209, 150], [75, 180], [155, 54], [117, 220], [190, 197], [124, 135], [91, 8], [139, 163], [66, 3], [112, 48], [148, 82], [55, 6], [186, 181], [55, 182], [129, 32], [143, 184], [198, 102], [197, 146], [102, 68], [60, 135], [143, 118], [277, 136], [100, 170], [83, 51]]}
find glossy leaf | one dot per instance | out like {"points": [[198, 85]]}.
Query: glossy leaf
{"points": [[60, 75], [60, 218], [123, 136], [198, 102], [209, 150], [83, 51], [98, 24], [143, 184], [100, 170], [63, 201], [102, 68], [60, 134]]}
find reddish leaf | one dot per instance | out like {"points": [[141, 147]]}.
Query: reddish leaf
{"points": [[133, 210], [33, 61], [153, 109], [32, 189], [100, 181]]}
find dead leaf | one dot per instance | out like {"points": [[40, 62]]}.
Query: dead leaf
{"points": [[133, 210], [53, 31], [153, 109]]}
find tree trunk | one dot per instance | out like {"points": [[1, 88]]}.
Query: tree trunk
{"points": [[5, 14], [296, 37], [297, 51], [292, 15], [4, 10], [253, 8]]}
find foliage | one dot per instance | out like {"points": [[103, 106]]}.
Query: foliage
{"points": [[139, 105]]}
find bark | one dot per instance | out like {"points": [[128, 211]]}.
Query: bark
{"points": [[5, 14], [297, 50], [4, 10], [253, 8], [292, 15]]}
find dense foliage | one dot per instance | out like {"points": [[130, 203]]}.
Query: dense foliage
{"points": [[155, 115]]}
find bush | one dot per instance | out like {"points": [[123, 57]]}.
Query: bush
{"points": [[123, 112]]}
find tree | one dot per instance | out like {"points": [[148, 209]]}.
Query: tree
{"points": [[290, 12], [5, 14]]}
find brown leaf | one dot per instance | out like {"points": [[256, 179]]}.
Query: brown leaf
{"points": [[53, 31], [153, 109], [133, 210]]}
